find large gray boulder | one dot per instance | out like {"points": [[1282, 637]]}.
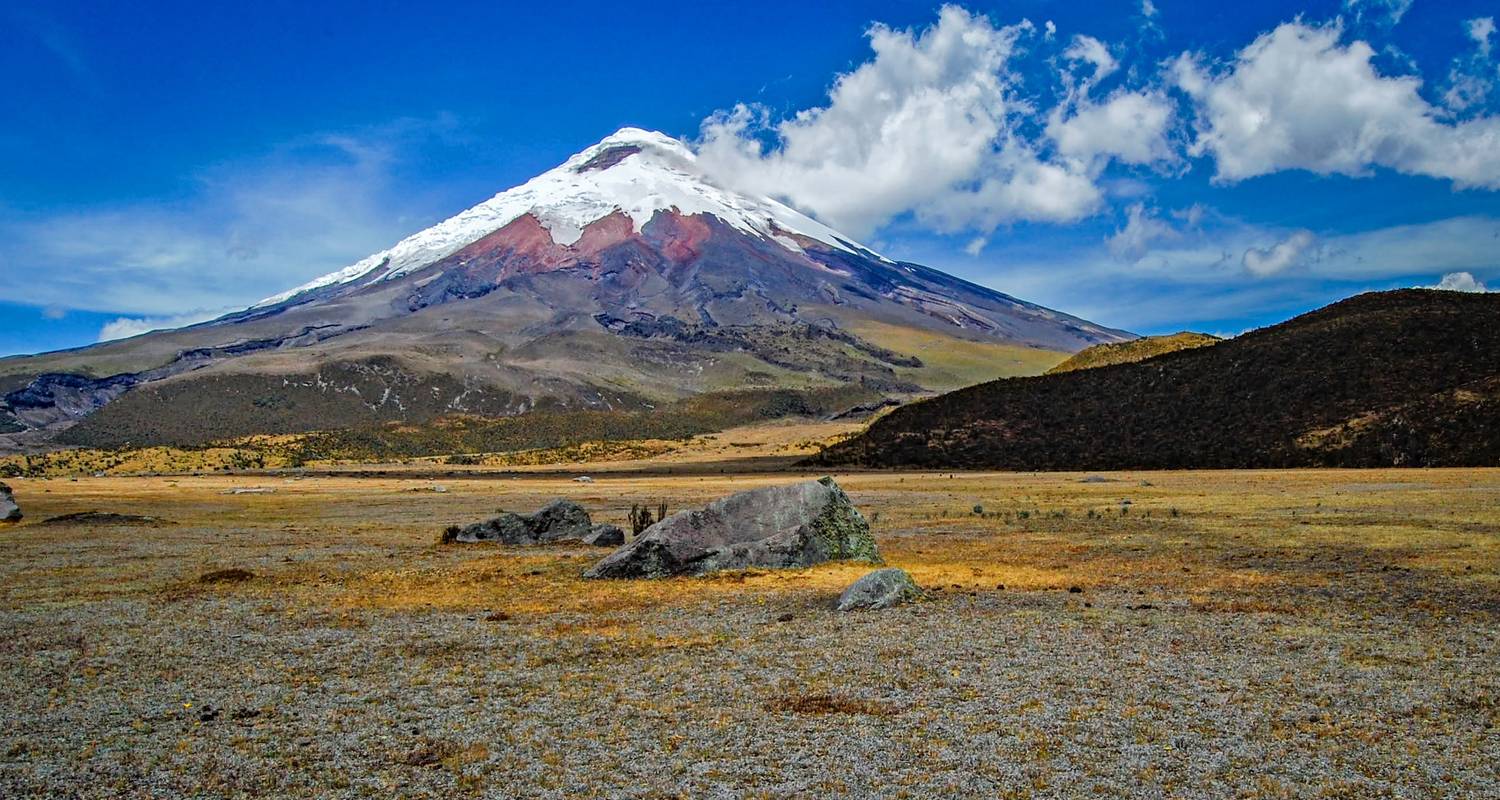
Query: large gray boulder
{"points": [[10, 510], [796, 525], [882, 588], [558, 521]]}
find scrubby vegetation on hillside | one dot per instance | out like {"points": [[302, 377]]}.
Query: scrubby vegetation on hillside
{"points": [[695, 415], [539, 437], [1393, 378]]}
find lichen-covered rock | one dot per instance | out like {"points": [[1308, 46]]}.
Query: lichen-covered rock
{"points": [[10, 510], [558, 521], [882, 588], [796, 525]]}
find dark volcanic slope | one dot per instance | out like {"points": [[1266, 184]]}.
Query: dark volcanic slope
{"points": [[1404, 378]]}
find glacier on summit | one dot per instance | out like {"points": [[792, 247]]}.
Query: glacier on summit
{"points": [[632, 171]]}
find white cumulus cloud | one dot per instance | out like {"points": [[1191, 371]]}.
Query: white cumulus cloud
{"points": [[931, 126], [1461, 282], [1298, 99], [1129, 126]]}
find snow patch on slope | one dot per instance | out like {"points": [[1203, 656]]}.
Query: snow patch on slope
{"points": [[659, 173]]}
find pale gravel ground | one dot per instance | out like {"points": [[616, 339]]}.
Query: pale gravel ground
{"points": [[1030, 694], [1371, 684]]}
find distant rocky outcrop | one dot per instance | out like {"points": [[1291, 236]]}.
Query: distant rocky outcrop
{"points": [[558, 521], [796, 525], [882, 588], [10, 510]]}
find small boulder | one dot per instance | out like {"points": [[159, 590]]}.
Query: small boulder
{"points": [[10, 510], [795, 525], [605, 536], [882, 588], [558, 521]]}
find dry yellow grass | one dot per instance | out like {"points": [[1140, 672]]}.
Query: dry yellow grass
{"points": [[949, 363], [1249, 633], [1199, 534]]}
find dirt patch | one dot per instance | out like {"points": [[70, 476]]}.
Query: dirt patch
{"points": [[105, 518], [830, 704], [429, 753], [220, 576]]}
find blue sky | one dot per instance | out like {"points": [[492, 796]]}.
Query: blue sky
{"points": [[1151, 165]]}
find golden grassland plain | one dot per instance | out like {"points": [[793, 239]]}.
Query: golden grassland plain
{"points": [[1173, 634]]}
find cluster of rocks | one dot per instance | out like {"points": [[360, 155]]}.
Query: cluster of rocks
{"points": [[10, 510], [558, 522], [776, 527]]}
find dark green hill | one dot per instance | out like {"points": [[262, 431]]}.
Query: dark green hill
{"points": [[1403, 378]]}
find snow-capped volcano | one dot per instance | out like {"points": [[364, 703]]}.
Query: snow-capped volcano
{"points": [[633, 171], [625, 278]]}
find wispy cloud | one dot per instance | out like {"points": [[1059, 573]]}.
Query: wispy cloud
{"points": [[56, 41], [1382, 13], [125, 327], [251, 228], [1186, 274], [1143, 230], [1472, 75]]}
